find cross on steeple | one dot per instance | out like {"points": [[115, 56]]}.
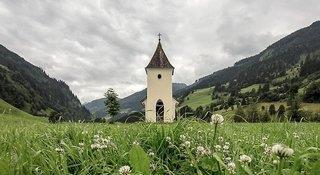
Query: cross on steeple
{"points": [[159, 35]]}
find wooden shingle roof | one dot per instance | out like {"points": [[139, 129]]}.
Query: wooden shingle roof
{"points": [[159, 59]]}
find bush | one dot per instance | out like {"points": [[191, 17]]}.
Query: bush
{"points": [[239, 115], [54, 117]]}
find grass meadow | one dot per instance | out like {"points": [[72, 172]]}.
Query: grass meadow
{"points": [[183, 147]]}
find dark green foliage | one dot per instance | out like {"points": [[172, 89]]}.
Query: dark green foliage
{"points": [[310, 65], [252, 113], [186, 112], [281, 112], [29, 88], [272, 109], [112, 103], [55, 117], [239, 115], [265, 117], [294, 112], [199, 112], [312, 94]]}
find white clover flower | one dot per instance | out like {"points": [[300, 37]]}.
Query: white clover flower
{"points": [[275, 162], [95, 146], [217, 147], [125, 170], [295, 135], [168, 139], [186, 144], [282, 150], [231, 166], [81, 144], [245, 159], [200, 150], [263, 145], [136, 143], [203, 151], [267, 150], [216, 119], [220, 139], [151, 154], [264, 139], [60, 150], [183, 137], [225, 147]]}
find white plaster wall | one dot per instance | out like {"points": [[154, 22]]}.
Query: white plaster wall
{"points": [[159, 89]]}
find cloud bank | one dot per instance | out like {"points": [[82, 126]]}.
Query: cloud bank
{"points": [[95, 45]]}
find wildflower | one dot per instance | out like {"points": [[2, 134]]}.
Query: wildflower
{"points": [[168, 139], [225, 147], [136, 143], [200, 150], [216, 119], [60, 150], [81, 144], [186, 144], [231, 166], [245, 159], [227, 159], [220, 139], [183, 137], [125, 170], [203, 151], [217, 147], [295, 135], [151, 154], [102, 143], [267, 150], [282, 150], [275, 162]]}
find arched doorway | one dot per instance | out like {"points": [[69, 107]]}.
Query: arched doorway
{"points": [[159, 111]]}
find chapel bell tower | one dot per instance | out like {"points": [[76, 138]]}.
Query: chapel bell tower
{"points": [[159, 105]]}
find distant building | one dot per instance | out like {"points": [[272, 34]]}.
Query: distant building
{"points": [[159, 105]]}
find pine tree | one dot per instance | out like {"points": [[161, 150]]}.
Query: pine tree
{"points": [[272, 109], [112, 103]]}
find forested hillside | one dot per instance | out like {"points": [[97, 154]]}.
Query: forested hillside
{"points": [[299, 50], [286, 73], [29, 88]]}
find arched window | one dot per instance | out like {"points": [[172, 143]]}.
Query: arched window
{"points": [[159, 111]]}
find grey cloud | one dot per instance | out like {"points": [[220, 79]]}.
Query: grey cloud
{"points": [[94, 45]]}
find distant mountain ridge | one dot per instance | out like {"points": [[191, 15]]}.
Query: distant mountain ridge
{"points": [[30, 89], [128, 104], [272, 62]]}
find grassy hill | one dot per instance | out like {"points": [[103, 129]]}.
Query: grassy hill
{"points": [[30, 89], [12, 115]]}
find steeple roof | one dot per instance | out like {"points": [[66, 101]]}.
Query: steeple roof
{"points": [[159, 59]]}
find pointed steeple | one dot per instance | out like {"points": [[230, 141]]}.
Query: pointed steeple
{"points": [[159, 59]]}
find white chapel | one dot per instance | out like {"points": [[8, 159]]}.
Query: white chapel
{"points": [[159, 104]]}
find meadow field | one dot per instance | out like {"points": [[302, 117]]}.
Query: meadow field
{"points": [[33, 146]]}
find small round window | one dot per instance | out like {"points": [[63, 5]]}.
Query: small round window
{"points": [[159, 76]]}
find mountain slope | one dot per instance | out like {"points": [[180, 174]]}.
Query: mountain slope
{"points": [[269, 64], [29, 88], [128, 104]]}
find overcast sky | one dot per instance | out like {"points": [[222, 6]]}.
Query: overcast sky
{"points": [[94, 45]]}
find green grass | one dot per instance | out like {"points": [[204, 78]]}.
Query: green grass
{"points": [[11, 115], [249, 88], [43, 148], [200, 97]]}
